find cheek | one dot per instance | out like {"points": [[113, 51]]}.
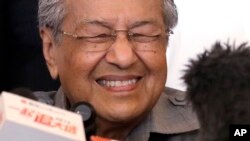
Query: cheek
{"points": [[157, 71], [75, 72], [81, 65], [155, 62], [79, 62]]}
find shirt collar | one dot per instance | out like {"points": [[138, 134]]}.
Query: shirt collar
{"points": [[60, 99]]}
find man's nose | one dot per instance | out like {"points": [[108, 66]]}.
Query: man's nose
{"points": [[121, 53]]}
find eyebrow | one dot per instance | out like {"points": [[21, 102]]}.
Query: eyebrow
{"points": [[96, 22], [141, 23], [109, 25]]}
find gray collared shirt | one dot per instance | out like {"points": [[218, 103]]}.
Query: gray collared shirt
{"points": [[172, 116]]}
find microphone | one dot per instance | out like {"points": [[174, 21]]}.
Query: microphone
{"points": [[88, 115], [218, 86], [24, 92], [84, 109], [24, 119]]}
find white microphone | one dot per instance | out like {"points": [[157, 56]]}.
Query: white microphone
{"points": [[23, 119]]}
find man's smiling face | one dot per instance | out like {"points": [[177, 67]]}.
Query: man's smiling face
{"points": [[122, 83]]}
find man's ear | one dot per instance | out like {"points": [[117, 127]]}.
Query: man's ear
{"points": [[49, 51]]}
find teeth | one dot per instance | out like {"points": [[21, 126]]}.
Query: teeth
{"points": [[117, 83]]}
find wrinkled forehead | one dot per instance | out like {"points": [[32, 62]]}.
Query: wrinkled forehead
{"points": [[117, 13]]}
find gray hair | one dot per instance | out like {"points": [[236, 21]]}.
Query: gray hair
{"points": [[170, 14], [51, 14]]}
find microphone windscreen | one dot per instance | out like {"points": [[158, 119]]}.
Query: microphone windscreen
{"points": [[218, 86], [217, 73]]}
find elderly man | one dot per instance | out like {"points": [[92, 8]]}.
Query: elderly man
{"points": [[112, 54]]}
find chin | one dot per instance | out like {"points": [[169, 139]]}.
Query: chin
{"points": [[126, 115]]}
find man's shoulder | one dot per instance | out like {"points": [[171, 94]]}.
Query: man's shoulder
{"points": [[173, 114], [176, 97]]}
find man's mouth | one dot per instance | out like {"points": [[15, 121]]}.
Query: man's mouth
{"points": [[117, 83]]}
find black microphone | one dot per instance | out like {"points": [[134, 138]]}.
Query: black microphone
{"points": [[24, 92], [218, 86], [86, 110]]}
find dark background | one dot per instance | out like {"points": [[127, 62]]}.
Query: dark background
{"points": [[21, 60]]}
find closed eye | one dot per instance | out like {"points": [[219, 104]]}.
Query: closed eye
{"points": [[101, 38], [143, 38]]}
